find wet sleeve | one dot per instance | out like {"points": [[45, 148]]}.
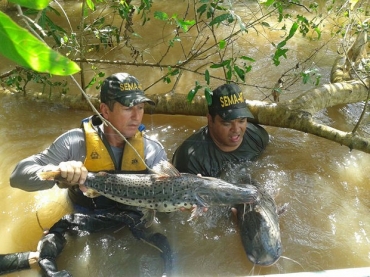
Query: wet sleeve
{"points": [[13, 262], [154, 152], [67, 147]]}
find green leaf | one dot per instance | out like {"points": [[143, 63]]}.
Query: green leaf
{"points": [[305, 77], [280, 52], [217, 65], [267, 3], [247, 58], [194, 91], [318, 31], [184, 24], [90, 4], [240, 72], [202, 9], [218, 19], [281, 44], [161, 16], [206, 76], [166, 79], [174, 72], [292, 31], [34, 4], [208, 94], [222, 44], [23, 48], [191, 94]]}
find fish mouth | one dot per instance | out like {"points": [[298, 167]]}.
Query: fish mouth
{"points": [[265, 260]]}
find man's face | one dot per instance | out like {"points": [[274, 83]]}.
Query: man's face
{"points": [[228, 135], [125, 119]]}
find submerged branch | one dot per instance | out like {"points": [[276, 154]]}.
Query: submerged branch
{"points": [[281, 115]]}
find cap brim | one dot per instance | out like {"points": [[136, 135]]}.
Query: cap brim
{"points": [[144, 100], [133, 101], [235, 113]]}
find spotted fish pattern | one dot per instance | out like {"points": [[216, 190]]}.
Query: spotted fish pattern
{"points": [[165, 191]]}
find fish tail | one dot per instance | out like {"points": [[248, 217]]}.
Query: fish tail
{"points": [[48, 175]]}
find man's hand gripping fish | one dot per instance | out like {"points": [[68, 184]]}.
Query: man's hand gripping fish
{"points": [[165, 190]]}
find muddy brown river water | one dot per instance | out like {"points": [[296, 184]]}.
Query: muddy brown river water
{"points": [[326, 186]]}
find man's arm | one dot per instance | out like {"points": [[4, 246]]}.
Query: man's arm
{"points": [[68, 147], [154, 152]]}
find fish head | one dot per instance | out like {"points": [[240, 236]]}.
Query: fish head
{"points": [[219, 192], [260, 233], [265, 257]]}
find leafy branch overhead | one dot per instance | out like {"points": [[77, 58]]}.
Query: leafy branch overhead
{"points": [[186, 50]]}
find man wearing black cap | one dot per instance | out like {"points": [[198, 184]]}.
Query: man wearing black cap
{"points": [[223, 149], [94, 147], [228, 137], [97, 146]]}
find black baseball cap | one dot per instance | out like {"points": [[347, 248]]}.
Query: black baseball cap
{"points": [[125, 89], [228, 102]]}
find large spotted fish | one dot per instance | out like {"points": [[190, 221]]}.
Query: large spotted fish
{"points": [[165, 191]]}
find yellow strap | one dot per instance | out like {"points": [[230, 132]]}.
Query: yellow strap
{"points": [[130, 161]]}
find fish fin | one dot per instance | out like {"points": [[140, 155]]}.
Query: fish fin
{"points": [[164, 168], [282, 209], [102, 173], [149, 217], [48, 175], [91, 193], [196, 212]]}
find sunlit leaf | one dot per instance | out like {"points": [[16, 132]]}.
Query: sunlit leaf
{"points": [[35, 4], [185, 24], [353, 3], [267, 2], [161, 16], [318, 31], [90, 4], [222, 44], [23, 48]]}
